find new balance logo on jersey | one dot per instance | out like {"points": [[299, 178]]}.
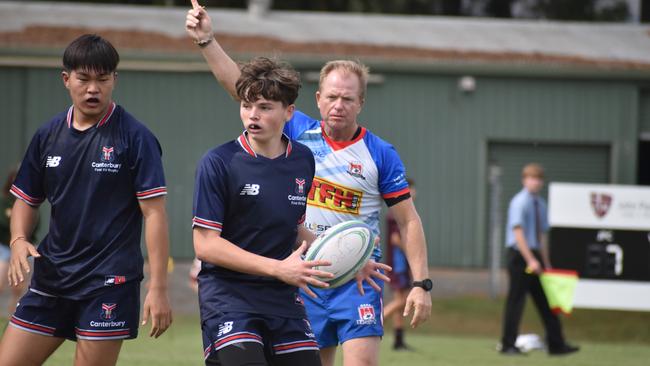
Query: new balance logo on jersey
{"points": [[250, 190], [224, 328], [52, 161]]}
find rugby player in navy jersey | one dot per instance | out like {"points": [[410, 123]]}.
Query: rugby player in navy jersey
{"points": [[249, 206], [356, 173], [101, 171]]}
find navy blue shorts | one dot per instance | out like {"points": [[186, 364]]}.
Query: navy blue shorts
{"points": [[277, 335], [342, 313], [112, 314]]}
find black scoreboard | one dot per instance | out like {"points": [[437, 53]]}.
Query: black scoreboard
{"points": [[602, 253]]}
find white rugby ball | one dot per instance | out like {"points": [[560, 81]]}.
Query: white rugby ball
{"points": [[347, 245]]}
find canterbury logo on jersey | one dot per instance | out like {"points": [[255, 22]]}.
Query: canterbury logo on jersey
{"points": [[250, 190], [334, 196], [52, 161]]}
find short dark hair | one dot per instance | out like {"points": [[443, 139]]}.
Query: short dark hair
{"points": [[91, 52], [269, 79]]}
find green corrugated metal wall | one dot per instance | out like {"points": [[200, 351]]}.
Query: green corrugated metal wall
{"points": [[443, 135], [644, 111]]}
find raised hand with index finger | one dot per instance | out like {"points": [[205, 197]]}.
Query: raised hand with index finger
{"points": [[198, 24]]}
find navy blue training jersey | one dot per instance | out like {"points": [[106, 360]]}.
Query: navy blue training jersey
{"points": [[93, 180], [257, 204]]}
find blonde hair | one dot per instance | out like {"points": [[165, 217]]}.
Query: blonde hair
{"points": [[348, 66], [533, 170]]}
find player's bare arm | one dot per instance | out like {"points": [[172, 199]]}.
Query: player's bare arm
{"points": [[198, 25], [418, 301], [212, 248], [23, 220], [156, 303]]}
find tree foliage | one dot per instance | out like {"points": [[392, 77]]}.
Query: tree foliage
{"points": [[585, 10]]}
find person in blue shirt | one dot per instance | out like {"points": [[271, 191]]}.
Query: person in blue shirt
{"points": [[101, 171], [527, 257], [249, 206]]}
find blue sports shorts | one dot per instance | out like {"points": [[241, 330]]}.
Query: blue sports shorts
{"points": [[111, 314], [341, 314], [278, 335]]}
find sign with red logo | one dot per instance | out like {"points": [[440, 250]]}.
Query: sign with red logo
{"points": [[601, 202]]}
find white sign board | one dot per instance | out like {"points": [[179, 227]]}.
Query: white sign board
{"points": [[599, 206], [595, 226]]}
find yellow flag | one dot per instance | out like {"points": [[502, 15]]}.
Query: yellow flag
{"points": [[559, 286]]}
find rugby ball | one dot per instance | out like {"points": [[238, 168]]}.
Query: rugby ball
{"points": [[347, 245]]}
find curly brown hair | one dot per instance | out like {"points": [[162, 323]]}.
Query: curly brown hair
{"points": [[270, 79]]}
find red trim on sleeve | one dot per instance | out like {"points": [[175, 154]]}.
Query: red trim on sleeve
{"points": [[207, 223], [154, 192], [32, 201], [396, 194]]}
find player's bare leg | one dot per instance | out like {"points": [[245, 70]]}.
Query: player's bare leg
{"points": [[3, 279], [327, 356], [21, 348], [97, 353], [361, 352]]}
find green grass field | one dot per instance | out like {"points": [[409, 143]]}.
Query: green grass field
{"points": [[461, 332]]}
